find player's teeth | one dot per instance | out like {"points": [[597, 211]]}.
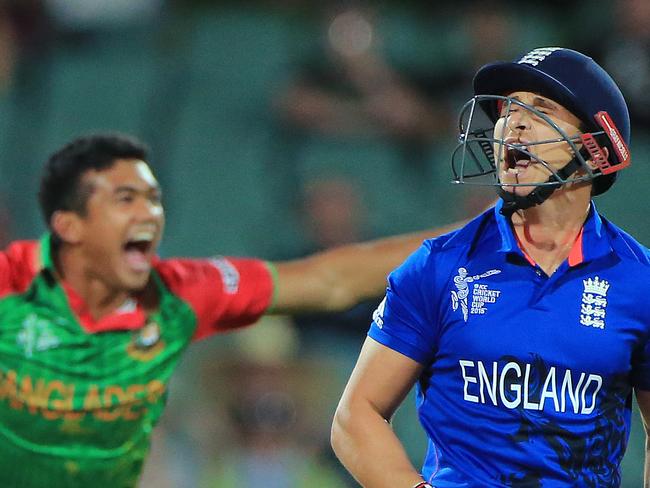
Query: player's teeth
{"points": [[142, 236]]}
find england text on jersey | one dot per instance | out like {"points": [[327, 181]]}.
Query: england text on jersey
{"points": [[515, 385]]}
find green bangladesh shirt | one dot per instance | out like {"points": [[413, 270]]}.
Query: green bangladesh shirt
{"points": [[78, 397]]}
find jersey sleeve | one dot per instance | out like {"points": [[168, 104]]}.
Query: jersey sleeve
{"points": [[18, 266], [404, 320], [224, 293]]}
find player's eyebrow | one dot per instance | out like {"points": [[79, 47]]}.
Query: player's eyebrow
{"points": [[134, 189], [540, 102], [545, 103]]}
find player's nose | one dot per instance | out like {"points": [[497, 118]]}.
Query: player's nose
{"points": [[519, 120], [148, 210]]}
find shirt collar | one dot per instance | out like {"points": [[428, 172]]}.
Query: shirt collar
{"points": [[129, 316], [592, 242], [46, 251]]}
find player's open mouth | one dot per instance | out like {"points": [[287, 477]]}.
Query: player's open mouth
{"points": [[516, 160], [138, 250]]}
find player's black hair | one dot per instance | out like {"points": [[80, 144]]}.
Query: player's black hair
{"points": [[61, 185]]}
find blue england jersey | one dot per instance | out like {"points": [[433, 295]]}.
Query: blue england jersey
{"points": [[527, 378]]}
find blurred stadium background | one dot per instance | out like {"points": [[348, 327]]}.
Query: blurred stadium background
{"points": [[280, 127]]}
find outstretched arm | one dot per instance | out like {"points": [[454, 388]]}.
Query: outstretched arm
{"points": [[341, 277], [362, 437]]}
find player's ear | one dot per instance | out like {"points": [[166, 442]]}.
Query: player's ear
{"points": [[67, 225]]}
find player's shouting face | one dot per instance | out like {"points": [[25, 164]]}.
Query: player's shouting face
{"points": [[533, 148], [122, 223]]}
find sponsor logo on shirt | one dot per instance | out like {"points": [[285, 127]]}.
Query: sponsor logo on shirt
{"points": [[481, 294], [36, 335], [515, 385], [594, 302], [229, 274], [378, 315]]}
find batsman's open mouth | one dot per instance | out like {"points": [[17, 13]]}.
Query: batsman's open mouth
{"points": [[517, 160]]}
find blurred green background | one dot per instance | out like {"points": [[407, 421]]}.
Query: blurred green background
{"points": [[280, 128]]}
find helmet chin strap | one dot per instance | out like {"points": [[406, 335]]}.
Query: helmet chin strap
{"points": [[512, 202]]}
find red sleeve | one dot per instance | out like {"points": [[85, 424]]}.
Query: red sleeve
{"points": [[18, 266], [225, 293]]}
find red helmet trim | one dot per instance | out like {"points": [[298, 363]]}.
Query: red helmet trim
{"points": [[596, 153], [620, 148]]}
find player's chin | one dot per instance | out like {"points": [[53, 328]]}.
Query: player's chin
{"points": [[135, 281], [520, 191], [523, 191]]}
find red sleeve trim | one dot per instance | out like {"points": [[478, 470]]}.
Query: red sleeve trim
{"points": [[18, 267], [224, 293]]}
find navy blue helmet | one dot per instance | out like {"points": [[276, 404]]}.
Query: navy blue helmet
{"points": [[579, 84]]}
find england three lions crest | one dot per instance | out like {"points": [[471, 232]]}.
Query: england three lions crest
{"points": [[594, 302], [472, 297]]}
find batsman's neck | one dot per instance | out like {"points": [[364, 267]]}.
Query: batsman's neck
{"points": [[548, 231]]}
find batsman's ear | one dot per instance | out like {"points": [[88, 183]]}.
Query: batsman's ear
{"points": [[67, 226]]}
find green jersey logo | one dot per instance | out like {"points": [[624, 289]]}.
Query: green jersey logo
{"points": [[36, 335]]}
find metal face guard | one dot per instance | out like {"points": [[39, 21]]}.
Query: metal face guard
{"points": [[474, 160]]}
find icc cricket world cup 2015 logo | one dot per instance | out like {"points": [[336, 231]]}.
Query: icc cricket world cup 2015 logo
{"points": [[459, 297]]}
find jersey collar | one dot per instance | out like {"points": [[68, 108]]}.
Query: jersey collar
{"points": [[592, 242], [129, 316]]}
